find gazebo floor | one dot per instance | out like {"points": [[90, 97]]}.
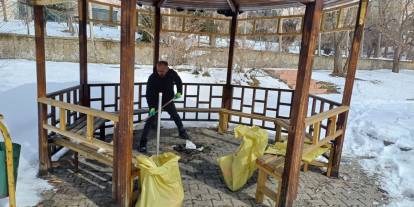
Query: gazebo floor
{"points": [[203, 182]]}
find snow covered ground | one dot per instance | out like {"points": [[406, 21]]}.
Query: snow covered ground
{"points": [[380, 131], [380, 128]]}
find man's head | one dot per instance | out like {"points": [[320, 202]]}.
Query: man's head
{"points": [[162, 68]]}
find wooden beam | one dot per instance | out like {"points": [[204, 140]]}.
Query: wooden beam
{"points": [[46, 2], [44, 161], [233, 6], [157, 32], [325, 115], [62, 119], [349, 83], [81, 109], [93, 143], [123, 141], [310, 30], [89, 127], [160, 3], [83, 52], [228, 89]]}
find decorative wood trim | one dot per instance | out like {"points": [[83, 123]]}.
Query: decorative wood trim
{"points": [[46, 2]]}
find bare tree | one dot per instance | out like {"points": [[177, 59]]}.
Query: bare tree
{"points": [[339, 38], [3, 5], [397, 25], [69, 16]]}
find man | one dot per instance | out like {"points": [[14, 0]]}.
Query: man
{"points": [[162, 81]]}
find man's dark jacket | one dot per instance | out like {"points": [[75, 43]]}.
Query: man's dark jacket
{"points": [[165, 85]]}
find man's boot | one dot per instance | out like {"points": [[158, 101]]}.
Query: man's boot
{"points": [[143, 145], [183, 134]]}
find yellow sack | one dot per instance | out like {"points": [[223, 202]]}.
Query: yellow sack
{"points": [[238, 167], [279, 148], [160, 181]]}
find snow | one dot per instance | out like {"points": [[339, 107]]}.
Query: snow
{"points": [[379, 133], [56, 29]]}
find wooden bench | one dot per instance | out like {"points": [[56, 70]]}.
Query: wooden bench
{"points": [[79, 126], [273, 165], [79, 136], [269, 165]]}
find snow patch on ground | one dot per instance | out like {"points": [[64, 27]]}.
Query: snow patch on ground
{"points": [[380, 128]]}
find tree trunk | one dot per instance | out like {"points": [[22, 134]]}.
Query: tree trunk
{"points": [[69, 17], [3, 5], [396, 61], [27, 19], [386, 51], [378, 49], [212, 41], [338, 56]]}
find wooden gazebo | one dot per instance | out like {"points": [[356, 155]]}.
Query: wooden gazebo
{"points": [[75, 109]]}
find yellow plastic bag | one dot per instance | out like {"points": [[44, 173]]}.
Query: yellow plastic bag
{"points": [[160, 181], [238, 167], [279, 148]]}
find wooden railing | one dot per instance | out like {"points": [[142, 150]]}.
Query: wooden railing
{"points": [[281, 125], [331, 133], [268, 102], [67, 95], [201, 102], [87, 138]]}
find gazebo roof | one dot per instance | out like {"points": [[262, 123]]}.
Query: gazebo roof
{"points": [[242, 5]]}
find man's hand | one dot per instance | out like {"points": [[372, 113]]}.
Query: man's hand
{"points": [[177, 95], [152, 112]]}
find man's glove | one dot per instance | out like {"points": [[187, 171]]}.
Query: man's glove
{"points": [[152, 112], [177, 95]]}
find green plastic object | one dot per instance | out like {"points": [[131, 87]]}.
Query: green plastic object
{"points": [[4, 192]]}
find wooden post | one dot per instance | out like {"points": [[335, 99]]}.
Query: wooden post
{"points": [[228, 89], [349, 83], [83, 52], [157, 32], [44, 161], [310, 30], [123, 142]]}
